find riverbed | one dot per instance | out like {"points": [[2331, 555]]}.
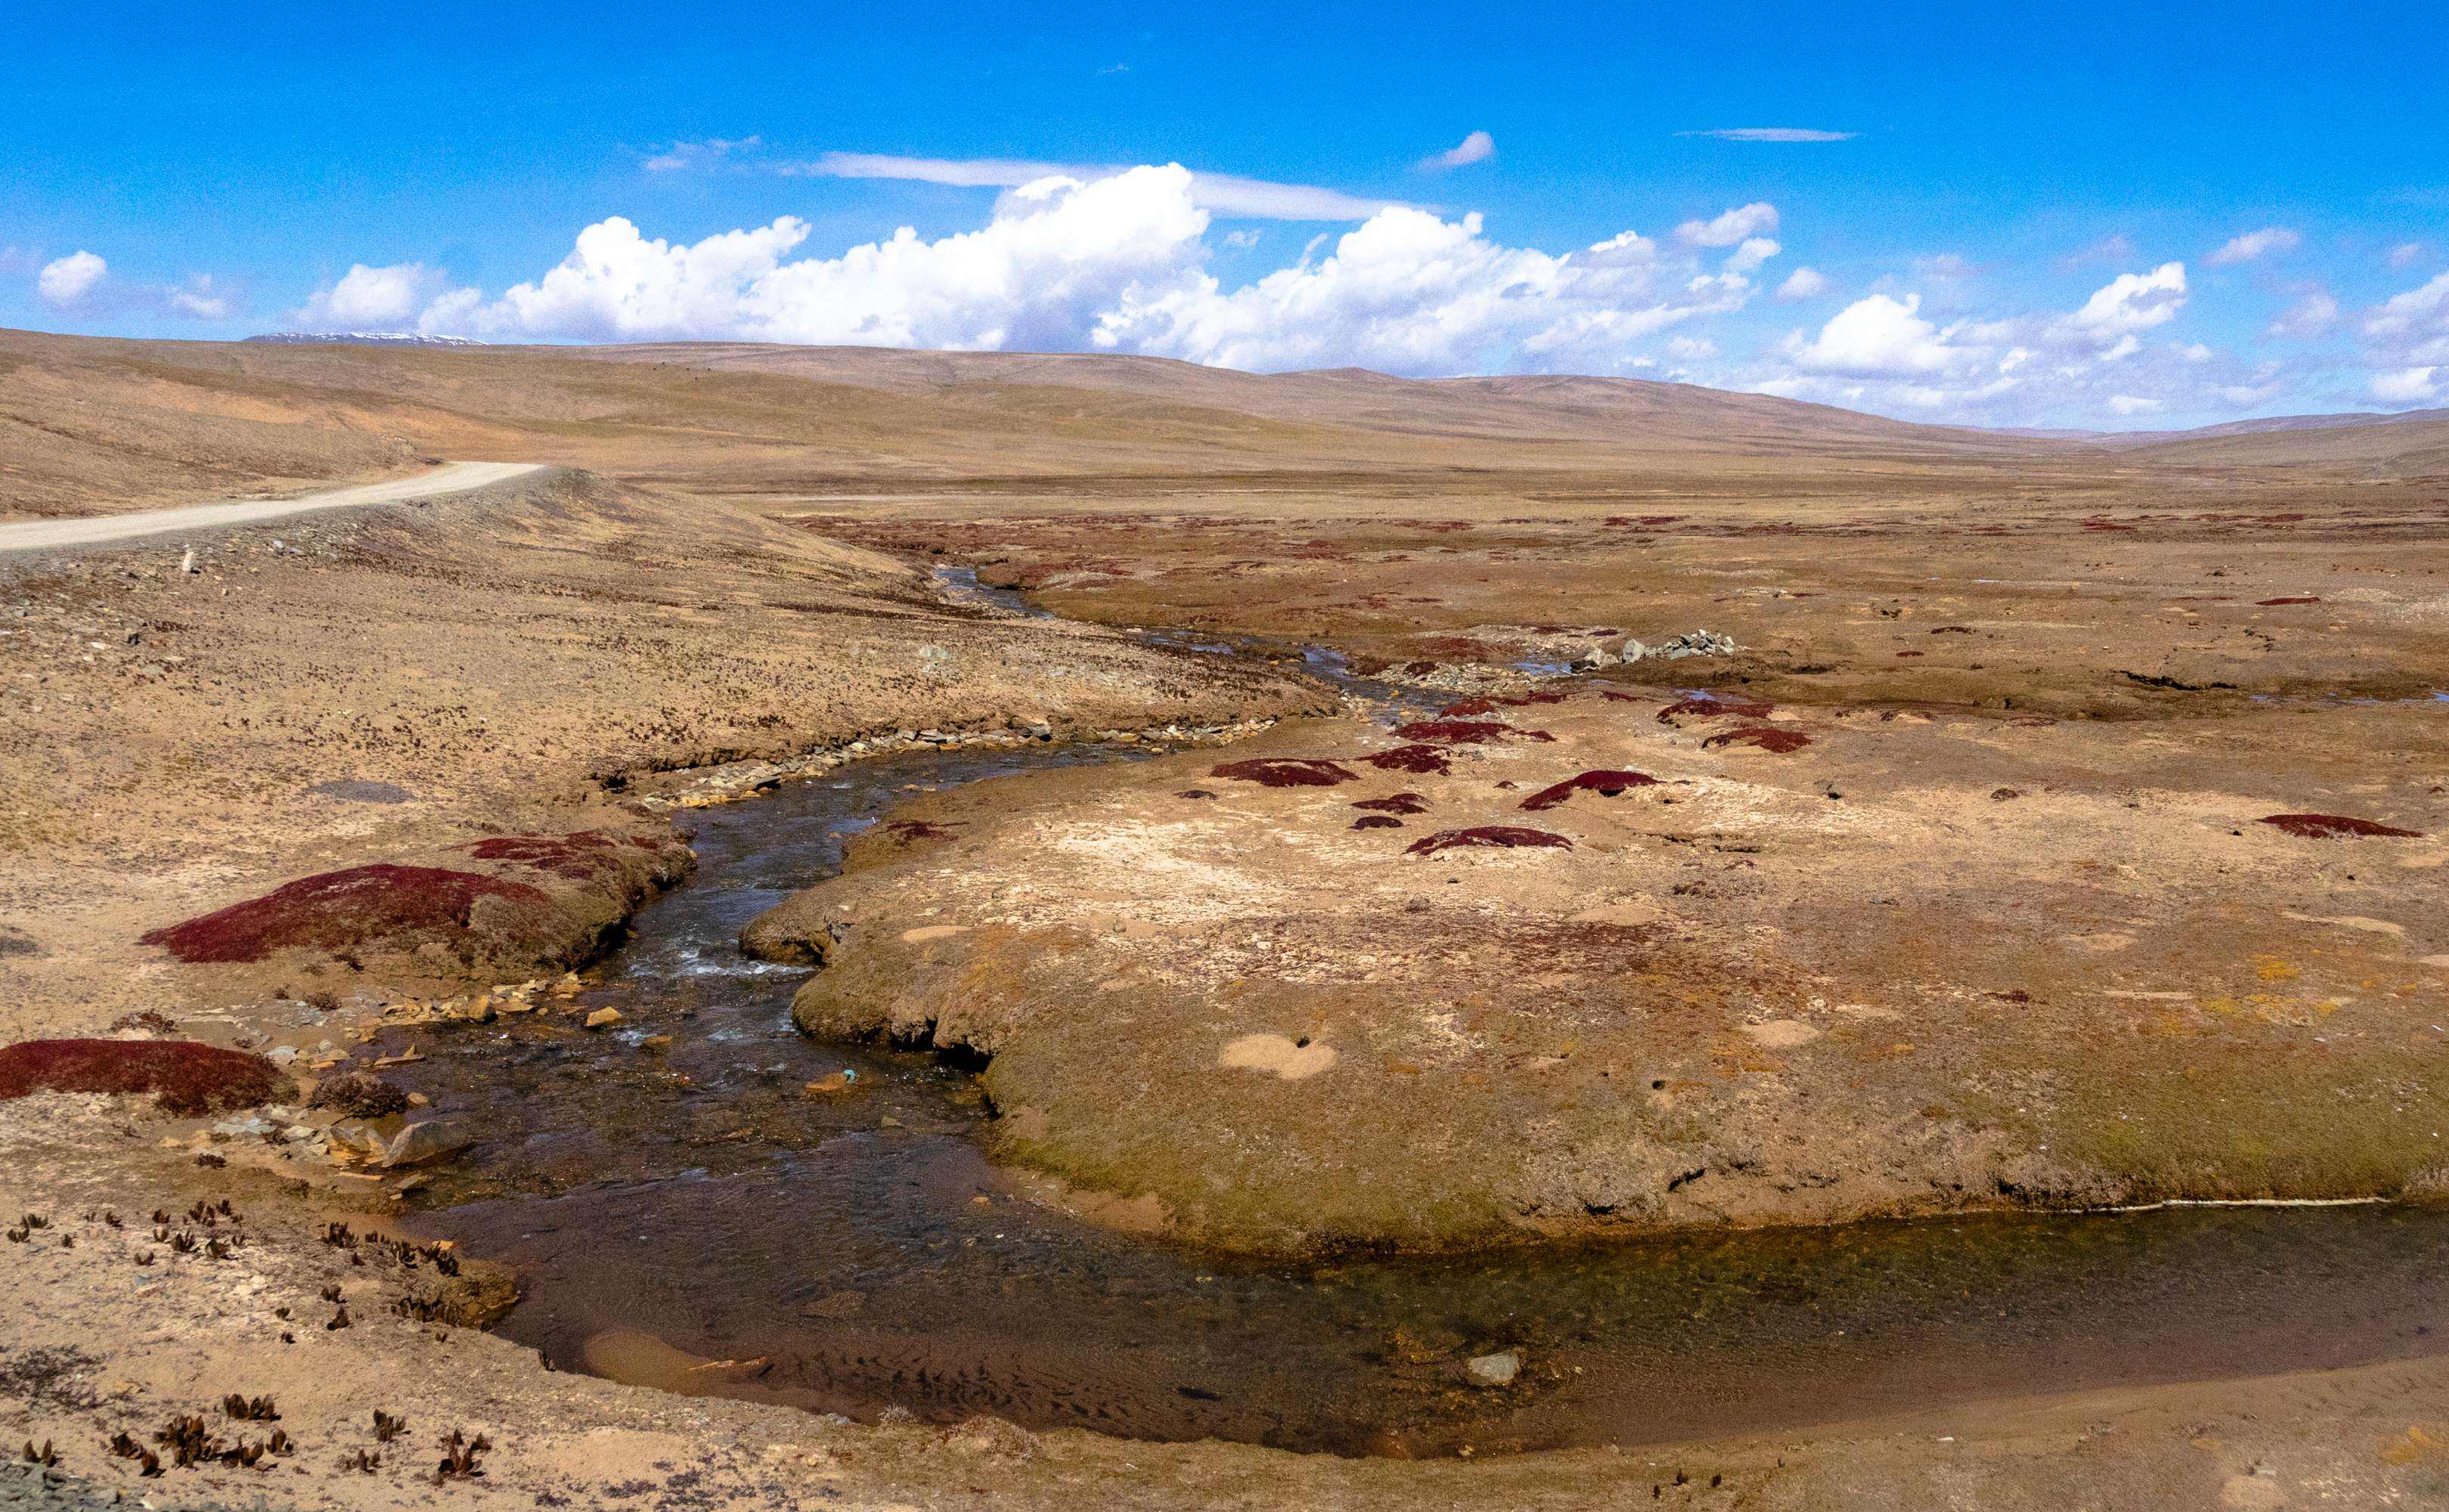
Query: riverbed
{"points": [[850, 1251]]}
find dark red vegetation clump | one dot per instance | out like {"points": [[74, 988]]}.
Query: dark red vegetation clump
{"points": [[906, 831], [1953, 629], [577, 856], [1606, 784], [2336, 827], [1377, 821], [1194, 793], [2268, 603], [1471, 708], [1414, 758], [1395, 803], [1709, 706], [338, 910], [186, 1079], [1465, 731], [1766, 736], [1506, 836], [1286, 771]]}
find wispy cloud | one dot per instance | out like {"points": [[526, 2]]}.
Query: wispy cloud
{"points": [[2404, 254], [2314, 314], [1477, 147], [1772, 134], [2116, 247], [1730, 227], [1224, 193], [2253, 244], [681, 155]]}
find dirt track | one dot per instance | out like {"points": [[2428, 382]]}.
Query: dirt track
{"points": [[457, 477]]}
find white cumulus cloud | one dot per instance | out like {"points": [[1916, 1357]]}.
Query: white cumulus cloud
{"points": [[2408, 385], [371, 299], [83, 283], [1751, 253], [1117, 263], [1730, 227], [1880, 336], [2131, 303], [1477, 147], [65, 281], [1887, 350], [2255, 245], [1802, 283]]}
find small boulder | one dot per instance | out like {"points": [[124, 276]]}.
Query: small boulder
{"points": [[420, 1143], [1493, 1370], [360, 1095], [604, 1018]]}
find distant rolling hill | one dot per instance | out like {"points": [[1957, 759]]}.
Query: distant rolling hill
{"points": [[93, 425]]}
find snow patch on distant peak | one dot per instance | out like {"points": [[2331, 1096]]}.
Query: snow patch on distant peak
{"points": [[361, 339]]}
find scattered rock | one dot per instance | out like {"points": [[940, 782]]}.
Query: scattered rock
{"points": [[604, 1018], [1493, 1370]]}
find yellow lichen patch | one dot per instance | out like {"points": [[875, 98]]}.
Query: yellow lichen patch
{"points": [[2414, 1447], [2271, 968]]}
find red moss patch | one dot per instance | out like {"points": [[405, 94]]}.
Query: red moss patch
{"points": [[1412, 758], [1506, 836], [1377, 821], [185, 1078], [1768, 737], [1286, 771], [2335, 827], [1395, 803], [577, 856], [336, 911], [2272, 604], [1709, 706], [1470, 708], [1465, 731], [1608, 784]]}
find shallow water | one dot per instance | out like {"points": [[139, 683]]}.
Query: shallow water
{"points": [[856, 1253]]}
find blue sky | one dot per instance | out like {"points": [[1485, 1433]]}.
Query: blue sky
{"points": [[2107, 215]]}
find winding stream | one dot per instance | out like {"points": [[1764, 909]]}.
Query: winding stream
{"points": [[855, 1254]]}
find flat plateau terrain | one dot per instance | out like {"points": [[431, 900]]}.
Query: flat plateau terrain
{"points": [[2066, 827]]}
